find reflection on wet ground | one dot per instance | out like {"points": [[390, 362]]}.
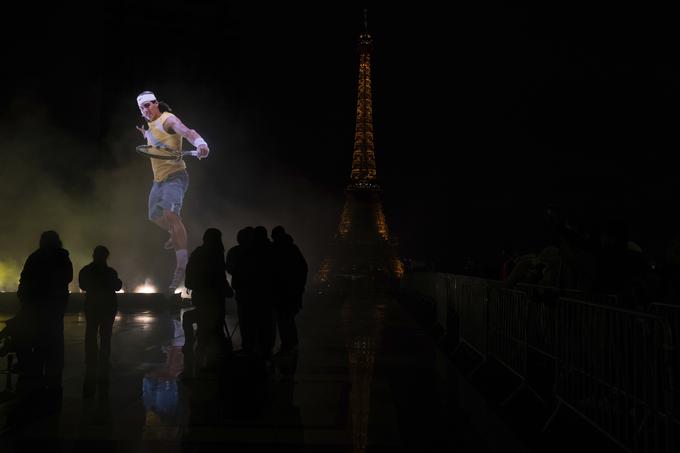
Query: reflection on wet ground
{"points": [[366, 378]]}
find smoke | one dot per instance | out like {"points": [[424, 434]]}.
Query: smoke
{"points": [[95, 192]]}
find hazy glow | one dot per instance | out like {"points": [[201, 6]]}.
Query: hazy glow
{"points": [[120, 182], [144, 319], [146, 288], [9, 276]]}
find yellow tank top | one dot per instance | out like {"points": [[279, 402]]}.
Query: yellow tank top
{"points": [[157, 136]]}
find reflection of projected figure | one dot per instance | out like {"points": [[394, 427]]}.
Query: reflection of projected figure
{"points": [[170, 178], [160, 393], [160, 401]]}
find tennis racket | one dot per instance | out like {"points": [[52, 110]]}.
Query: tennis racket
{"points": [[164, 153]]}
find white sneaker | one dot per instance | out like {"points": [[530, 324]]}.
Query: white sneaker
{"points": [[177, 279]]}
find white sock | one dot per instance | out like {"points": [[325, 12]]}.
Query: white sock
{"points": [[182, 258]]}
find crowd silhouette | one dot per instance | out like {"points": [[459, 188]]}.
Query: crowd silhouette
{"points": [[268, 279], [593, 255]]}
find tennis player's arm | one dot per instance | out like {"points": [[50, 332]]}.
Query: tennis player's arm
{"points": [[174, 124]]}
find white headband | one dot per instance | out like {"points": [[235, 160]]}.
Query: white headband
{"points": [[146, 97]]}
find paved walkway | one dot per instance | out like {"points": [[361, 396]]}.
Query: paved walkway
{"points": [[367, 379]]}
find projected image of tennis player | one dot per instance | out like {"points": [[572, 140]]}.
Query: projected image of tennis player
{"points": [[170, 178]]}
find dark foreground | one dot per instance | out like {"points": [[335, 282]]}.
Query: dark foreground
{"points": [[367, 378]]}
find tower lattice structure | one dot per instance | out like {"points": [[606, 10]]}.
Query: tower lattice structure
{"points": [[362, 246], [363, 158]]}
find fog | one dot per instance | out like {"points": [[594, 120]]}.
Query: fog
{"points": [[94, 191]]}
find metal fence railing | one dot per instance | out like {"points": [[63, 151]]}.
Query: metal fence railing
{"points": [[619, 369], [441, 295], [608, 370], [541, 317], [470, 302], [671, 315], [671, 391], [507, 328], [542, 306]]}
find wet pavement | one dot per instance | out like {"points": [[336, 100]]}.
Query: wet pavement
{"points": [[367, 378]]}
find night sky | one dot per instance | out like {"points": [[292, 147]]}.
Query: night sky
{"points": [[483, 117]]}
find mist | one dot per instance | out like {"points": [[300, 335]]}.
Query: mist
{"points": [[94, 191]]}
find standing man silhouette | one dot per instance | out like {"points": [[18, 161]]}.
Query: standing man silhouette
{"points": [[170, 177], [100, 282], [43, 292], [290, 278], [207, 280], [101, 305]]}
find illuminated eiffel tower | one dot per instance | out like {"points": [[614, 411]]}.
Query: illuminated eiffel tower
{"points": [[362, 246]]}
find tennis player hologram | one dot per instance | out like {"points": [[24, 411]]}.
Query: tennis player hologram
{"points": [[164, 135]]}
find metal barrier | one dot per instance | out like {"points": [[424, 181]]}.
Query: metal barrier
{"points": [[470, 302], [542, 305], [619, 369], [608, 363], [578, 294], [671, 391], [507, 328], [441, 296], [452, 326], [541, 317], [671, 314]]}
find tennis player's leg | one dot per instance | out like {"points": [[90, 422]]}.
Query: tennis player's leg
{"points": [[172, 197], [157, 213]]}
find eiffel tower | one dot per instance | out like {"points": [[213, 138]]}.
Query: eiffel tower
{"points": [[362, 246]]}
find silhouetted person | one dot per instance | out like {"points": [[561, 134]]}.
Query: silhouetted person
{"points": [[207, 279], [290, 274], [43, 292], [250, 264], [579, 246], [612, 258], [237, 266], [260, 272], [507, 264], [100, 282], [636, 290], [525, 270], [551, 266]]}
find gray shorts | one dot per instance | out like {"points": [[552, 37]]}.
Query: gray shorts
{"points": [[168, 194]]}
